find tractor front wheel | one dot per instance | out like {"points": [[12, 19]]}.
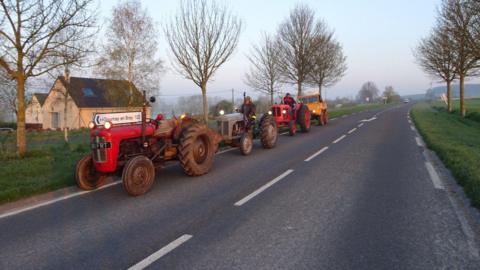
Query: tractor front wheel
{"points": [[86, 176], [269, 132], [196, 150], [303, 118], [246, 144], [138, 175]]}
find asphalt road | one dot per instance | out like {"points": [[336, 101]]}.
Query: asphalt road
{"points": [[366, 202]]}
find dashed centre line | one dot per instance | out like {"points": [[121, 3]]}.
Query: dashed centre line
{"points": [[263, 188], [361, 125], [161, 252], [316, 154], [352, 130], [339, 139]]}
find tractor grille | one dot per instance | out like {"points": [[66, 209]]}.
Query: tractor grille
{"points": [[223, 127], [277, 111], [99, 148]]}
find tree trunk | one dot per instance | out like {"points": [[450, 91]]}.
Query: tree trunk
{"points": [[299, 89], [462, 101], [130, 80], [205, 103], [449, 96], [320, 90], [21, 136]]}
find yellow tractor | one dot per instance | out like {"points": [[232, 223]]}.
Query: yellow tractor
{"points": [[317, 107]]}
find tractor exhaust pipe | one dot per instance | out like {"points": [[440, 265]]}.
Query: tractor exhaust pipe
{"points": [[144, 119]]}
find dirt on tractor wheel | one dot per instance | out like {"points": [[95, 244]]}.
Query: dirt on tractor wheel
{"points": [[196, 150], [138, 175], [268, 132], [85, 175]]}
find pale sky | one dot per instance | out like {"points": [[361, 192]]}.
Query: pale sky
{"points": [[377, 36]]}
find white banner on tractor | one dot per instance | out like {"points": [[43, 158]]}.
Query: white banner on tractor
{"points": [[117, 118]]}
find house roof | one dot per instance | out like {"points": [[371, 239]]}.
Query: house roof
{"points": [[41, 97], [102, 93]]}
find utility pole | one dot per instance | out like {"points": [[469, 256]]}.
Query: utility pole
{"points": [[233, 100]]}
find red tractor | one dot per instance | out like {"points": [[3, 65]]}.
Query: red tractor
{"points": [[135, 149], [286, 116]]}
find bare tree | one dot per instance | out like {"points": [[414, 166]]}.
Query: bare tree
{"points": [[436, 56], [297, 41], [264, 74], [390, 94], [31, 35], [368, 92], [457, 20], [131, 47], [202, 36], [329, 63]]}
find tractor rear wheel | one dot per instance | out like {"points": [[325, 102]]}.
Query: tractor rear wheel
{"points": [[292, 128], [86, 176], [268, 132], [246, 143], [196, 150], [303, 118], [138, 175]]}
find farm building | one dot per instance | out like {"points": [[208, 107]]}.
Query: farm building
{"points": [[86, 97]]}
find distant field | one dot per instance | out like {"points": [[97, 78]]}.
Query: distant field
{"points": [[333, 113], [455, 140]]}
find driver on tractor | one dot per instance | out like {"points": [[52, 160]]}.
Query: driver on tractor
{"points": [[289, 100], [248, 109]]}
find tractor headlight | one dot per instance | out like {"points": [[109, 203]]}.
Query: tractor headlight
{"points": [[91, 125], [221, 112], [313, 111], [107, 125], [269, 112], [183, 116], [284, 111]]}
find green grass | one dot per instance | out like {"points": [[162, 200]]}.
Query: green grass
{"points": [[338, 112], [472, 106], [48, 165], [455, 140]]}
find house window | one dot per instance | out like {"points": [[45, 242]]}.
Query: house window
{"points": [[88, 92]]}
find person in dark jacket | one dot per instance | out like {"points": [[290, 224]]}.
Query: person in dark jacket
{"points": [[290, 101], [248, 109]]}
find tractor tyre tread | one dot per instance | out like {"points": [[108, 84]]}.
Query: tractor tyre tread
{"points": [[185, 150]]}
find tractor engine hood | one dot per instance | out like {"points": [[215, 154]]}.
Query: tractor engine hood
{"points": [[230, 117]]}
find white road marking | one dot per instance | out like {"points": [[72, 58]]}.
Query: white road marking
{"points": [[284, 133], [368, 120], [263, 188], [316, 154], [413, 129], [161, 252], [437, 183], [361, 124], [226, 150], [333, 119], [419, 141], [62, 198], [339, 139], [352, 130], [345, 115]]}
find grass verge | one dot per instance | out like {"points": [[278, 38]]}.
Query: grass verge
{"points": [[456, 141], [48, 165]]}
